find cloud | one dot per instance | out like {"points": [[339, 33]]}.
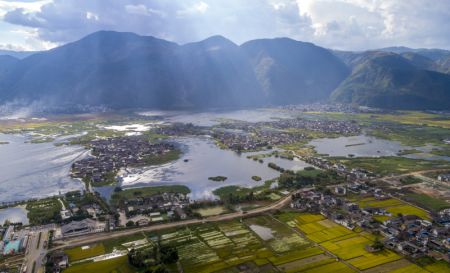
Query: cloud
{"points": [[362, 24], [343, 24]]}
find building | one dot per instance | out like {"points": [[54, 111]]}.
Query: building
{"points": [[444, 177], [85, 226]]}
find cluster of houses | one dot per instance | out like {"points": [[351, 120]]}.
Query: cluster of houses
{"points": [[180, 129], [325, 126], [262, 139], [246, 136], [154, 208], [321, 107], [445, 177], [14, 241], [109, 155], [408, 234], [351, 174]]}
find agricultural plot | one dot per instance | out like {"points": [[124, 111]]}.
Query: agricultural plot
{"points": [[394, 206], [231, 246], [119, 265], [438, 267], [346, 244], [84, 252], [281, 238], [412, 268], [323, 230]]}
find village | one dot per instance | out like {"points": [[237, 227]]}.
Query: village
{"points": [[245, 136], [408, 234], [112, 154]]}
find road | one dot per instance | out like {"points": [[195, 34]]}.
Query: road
{"points": [[36, 250], [91, 238]]}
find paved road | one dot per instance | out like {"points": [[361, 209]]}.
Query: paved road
{"points": [[87, 239], [36, 250]]}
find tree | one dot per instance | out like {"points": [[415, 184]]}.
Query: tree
{"points": [[168, 254], [377, 245]]}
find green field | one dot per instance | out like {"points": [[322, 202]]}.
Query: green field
{"points": [[394, 206], [428, 202], [116, 265], [346, 244], [226, 246], [78, 253], [387, 165]]}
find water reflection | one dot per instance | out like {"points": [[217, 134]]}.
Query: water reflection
{"points": [[35, 170], [203, 159]]}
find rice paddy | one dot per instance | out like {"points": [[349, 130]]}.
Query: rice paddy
{"points": [[346, 244], [298, 242], [395, 207]]}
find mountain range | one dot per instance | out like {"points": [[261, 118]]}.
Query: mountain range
{"points": [[125, 70]]}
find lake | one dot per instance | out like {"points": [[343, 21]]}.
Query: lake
{"points": [[202, 159], [35, 170], [369, 146], [215, 117], [14, 215]]}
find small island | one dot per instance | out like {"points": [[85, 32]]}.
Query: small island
{"points": [[218, 178], [256, 178], [4, 142]]}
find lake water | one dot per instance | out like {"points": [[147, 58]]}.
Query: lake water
{"points": [[35, 170], [358, 146], [205, 159], [368, 146], [215, 117], [14, 215]]}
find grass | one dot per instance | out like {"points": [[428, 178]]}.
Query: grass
{"points": [[412, 268], [78, 253], [116, 265], [388, 165], [211, 211], [400, 117], [409, 210], [408, 180], [335, 267], [110, 244], [438, 267], [428, 202]]}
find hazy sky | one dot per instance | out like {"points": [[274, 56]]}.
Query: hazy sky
{"points": [[340, 24]]}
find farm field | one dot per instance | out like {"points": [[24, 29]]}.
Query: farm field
{"points": [[394, 206], [260, 244], [119, 265], [205, 212], [80, 253], [346, 244], [233, 246]]}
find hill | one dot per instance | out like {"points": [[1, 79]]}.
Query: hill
{"points": [[389, 80], [122, 70]]}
